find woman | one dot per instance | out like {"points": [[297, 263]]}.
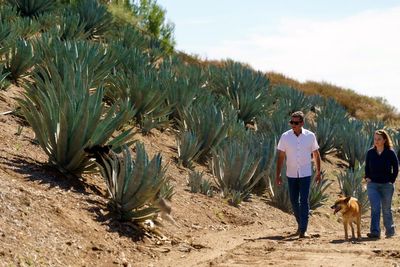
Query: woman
{"points": [[381, 169]]}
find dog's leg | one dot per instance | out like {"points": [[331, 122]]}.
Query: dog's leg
{"points": [[359, 226], [346, 235], [352, 230]]}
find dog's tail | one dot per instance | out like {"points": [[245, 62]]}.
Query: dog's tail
{"points": [[165, 210]]}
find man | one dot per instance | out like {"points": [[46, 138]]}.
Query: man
{"points": [[297, 145]]}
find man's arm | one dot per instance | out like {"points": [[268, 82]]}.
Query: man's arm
{"points": [[279, 163], [317, 160]]}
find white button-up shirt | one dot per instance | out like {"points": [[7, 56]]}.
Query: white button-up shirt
{"points": [[298, 150]]}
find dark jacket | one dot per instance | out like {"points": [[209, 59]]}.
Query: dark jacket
{"points": [[381, 168]]}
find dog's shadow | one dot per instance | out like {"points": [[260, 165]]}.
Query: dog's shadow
{"points": [[286, 238], [353, 240]]}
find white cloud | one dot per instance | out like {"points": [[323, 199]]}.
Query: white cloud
{"points": [[360, 52]]}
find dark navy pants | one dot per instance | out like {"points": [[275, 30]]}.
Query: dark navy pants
{"points": [[299, 190]]}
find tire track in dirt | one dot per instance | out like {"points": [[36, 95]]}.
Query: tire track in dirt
{"points": [[327, 251]]}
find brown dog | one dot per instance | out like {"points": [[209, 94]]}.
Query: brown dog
{"points": [[351, 212]]}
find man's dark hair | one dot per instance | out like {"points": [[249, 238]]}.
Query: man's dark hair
{"points": [[298, 114]]}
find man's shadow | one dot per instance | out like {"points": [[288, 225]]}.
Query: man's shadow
{"points": [[353, 240], [287, 238]]}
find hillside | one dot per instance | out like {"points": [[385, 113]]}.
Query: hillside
{"points": [[49, 220], [77, 76], [364, 108]]}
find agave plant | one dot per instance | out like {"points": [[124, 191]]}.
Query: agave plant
{"points": [[19, 61], [3, 76], [197, 183], [396, 140], [274, 124], [350, 183], [131, 60], [167, 190], [131, 38], [188, 148], [26, 28], [206, 188], [92, 61], [354, 141], [71, 27], [133, 185], [290, 99], [6, 35], [209, 123], [8, 13], [279, 194], [33, 8], [66, 117], [184, 85], [144, 91], [325, 132], [265, 147], [95, 18], [318, 195], [333, 110], [234, 166], [194, 181], [246, 88]]}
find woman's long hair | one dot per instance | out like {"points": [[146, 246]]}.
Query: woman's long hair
{"points": [[386, 137]]}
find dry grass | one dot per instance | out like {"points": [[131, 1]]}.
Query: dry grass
{"points": [[359, 106]]}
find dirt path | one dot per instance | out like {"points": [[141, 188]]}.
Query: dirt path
{"points": [[251, 246]]}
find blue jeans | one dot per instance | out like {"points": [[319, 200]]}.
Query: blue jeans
{"points": [[299, 190], [380, 196]]}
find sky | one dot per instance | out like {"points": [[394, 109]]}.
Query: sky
{"points": [[353, 44]]}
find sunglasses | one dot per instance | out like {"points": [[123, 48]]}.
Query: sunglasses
{"points": [[295, 122]]}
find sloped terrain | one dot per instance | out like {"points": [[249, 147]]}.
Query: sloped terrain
{"points": [[51, 220]]}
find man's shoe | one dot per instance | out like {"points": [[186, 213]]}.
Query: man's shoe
{"points": [[304, 235], [372, 235], [390, 235]]}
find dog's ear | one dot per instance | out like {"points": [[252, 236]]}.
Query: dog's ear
{"points": [[340, 196], [347, 199]]}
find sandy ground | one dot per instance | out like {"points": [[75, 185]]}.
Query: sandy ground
{"points": [[49, 220]]}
